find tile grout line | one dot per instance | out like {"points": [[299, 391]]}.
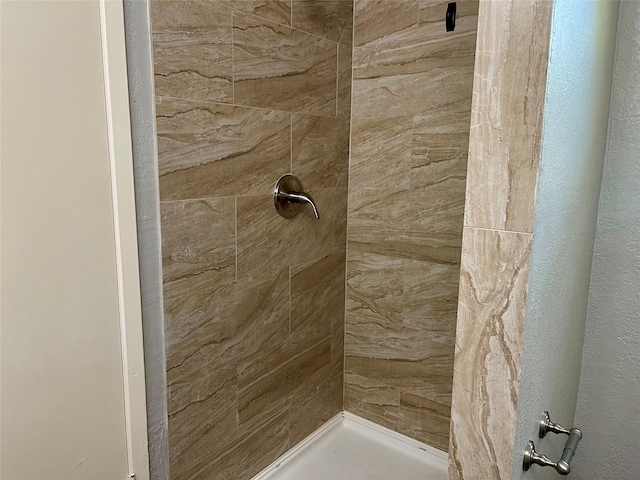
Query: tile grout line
{"points": [[233, 60], [251, 107], [291, 27], [346, 247], [235, 207], [337, 79], [498, 230]]}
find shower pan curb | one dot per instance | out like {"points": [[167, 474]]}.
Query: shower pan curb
{"points": [[367, 427]]}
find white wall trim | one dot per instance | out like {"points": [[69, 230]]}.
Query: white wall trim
{"points": [[125, 228]]}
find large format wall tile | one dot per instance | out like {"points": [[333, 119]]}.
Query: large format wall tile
{"points": [[412, 293], [402, 72], [267, 240], [318, 407], [374, 19], [406, 359], [380, 153], [320, 151], [198, 244], [317, 296], [278, 11], [371, 399], [282, 68], [244, 324], [254, 322], [424, 420], [493, 283], [192, 399], [421, 224], [209, 149], [345, 62], [245, 458], [192, 50], [340, 199], [433, 12], [440, 142], [411, 103], [504, 151], [332, 19]]}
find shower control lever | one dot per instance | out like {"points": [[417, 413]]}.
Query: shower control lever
{"points": [[562, 466], [288, 196]]}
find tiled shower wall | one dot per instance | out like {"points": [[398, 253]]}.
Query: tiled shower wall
{"points": [[249, 90], [504, 155], [412, 89]]}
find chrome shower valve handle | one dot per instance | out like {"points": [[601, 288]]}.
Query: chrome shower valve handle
{"points": [[288, 195]]}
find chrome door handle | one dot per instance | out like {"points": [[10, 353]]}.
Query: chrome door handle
{"points": [[562, 466]]}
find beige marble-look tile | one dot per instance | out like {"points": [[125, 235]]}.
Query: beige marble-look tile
{"points": [[337, 345], [265, 398], [202, 416], [332, 19], [411, 360], [414, 71], [317, 296], [309, 368], [320, 151], [424, 420], [192, 50], [267, 241], [419, 224], [282, 68], [345, 63], [371, 399], [244, 324], [311, 411], [407, 94], [434, 12], [416, 294], [248, 455], [491, 311], [380, 153], [198, 244], [340, 200], [209, 149], [439, 152], [376, 19], [271, 394], [417, 50], [278, 11], [506, 122]]}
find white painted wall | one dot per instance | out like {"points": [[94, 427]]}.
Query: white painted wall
{"points": [[609, 400], [573, 147], [72, 403]]}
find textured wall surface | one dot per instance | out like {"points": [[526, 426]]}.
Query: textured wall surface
{"points": [[247, 91], [504, 150], [412, 86], [576, 116], [143, 137], [608, 409]]}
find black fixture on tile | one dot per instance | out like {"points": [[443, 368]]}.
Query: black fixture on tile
{"points": [[450, 19]]}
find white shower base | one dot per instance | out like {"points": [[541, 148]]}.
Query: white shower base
{"points": [[349, 447]]}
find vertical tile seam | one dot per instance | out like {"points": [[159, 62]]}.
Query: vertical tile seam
{"points": [[346, 247], [337, 77], [233, 59], [235, 211]]}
